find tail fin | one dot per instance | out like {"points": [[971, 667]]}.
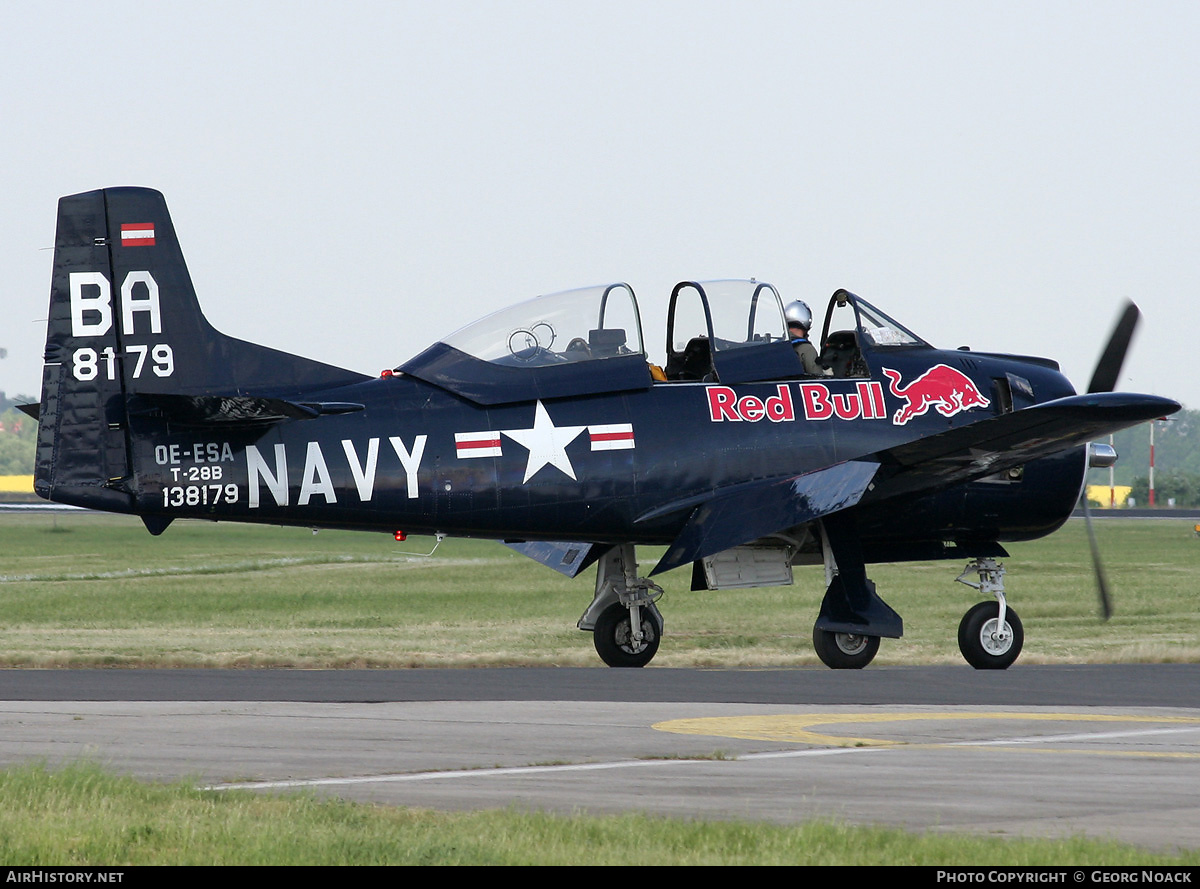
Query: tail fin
{"points": [[125, 323]]}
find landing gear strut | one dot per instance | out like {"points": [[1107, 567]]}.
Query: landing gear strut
{"points": [[853, 617], [990, 635], [626, 624]]}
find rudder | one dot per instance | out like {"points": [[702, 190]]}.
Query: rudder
{"points": [[82, 454]]}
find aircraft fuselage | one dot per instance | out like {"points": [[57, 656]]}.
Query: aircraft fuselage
{"points": [[418, 459]]}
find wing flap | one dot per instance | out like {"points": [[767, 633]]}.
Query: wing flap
{"points": [[754, 510]]}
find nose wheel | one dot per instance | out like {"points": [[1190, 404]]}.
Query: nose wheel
{"points": [[985, 642]]}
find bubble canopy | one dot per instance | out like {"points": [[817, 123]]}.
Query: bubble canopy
{"points": [[590, 341], [577, 342], [589, 324]]}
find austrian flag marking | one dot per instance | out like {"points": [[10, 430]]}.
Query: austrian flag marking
{"points": [[137, 234]]}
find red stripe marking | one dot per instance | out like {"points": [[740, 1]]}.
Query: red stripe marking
{"points": [[481, 443]]}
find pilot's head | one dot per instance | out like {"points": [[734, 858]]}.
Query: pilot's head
{"points": [[799, 318]]}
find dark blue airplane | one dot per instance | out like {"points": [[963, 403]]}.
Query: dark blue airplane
{"points": [[544, 425]]}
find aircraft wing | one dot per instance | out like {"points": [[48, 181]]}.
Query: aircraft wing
{"points": [[747, 512], [993, 445]]}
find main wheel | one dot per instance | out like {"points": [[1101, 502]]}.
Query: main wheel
{"points": [[613, 637], [845, 651], [982, 643]]}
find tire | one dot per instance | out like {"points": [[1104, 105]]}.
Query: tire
{"points": [[612, 637], [977, 642], [845, 651]]}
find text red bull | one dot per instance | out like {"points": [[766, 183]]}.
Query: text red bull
{"points": [[863, 401]]}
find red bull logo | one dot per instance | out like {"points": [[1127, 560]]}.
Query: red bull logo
{"points": [[941, 387]]}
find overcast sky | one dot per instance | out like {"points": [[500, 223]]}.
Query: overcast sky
{"points": [[353, 181]]}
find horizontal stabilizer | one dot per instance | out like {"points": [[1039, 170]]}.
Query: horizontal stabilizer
{"points": [[224, 410], [750, 511]]}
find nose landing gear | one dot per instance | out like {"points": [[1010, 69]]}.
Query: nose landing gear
{"points": [[990, 635]]}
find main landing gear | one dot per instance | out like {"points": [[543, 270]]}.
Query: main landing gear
{"points": [[617, 643], [853, 617], [627, 626], [844, 651], [990, 635], [625, 623]]}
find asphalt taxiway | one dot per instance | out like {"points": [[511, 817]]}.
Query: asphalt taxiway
{"points": [[1106, 751]]}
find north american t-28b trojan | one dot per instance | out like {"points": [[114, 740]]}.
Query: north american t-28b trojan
{"points": [[545, 426]]}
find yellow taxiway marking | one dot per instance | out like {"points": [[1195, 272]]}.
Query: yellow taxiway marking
{"points": [[797, 729]]}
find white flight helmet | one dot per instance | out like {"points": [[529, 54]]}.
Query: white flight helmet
{"points": [[798, 312]]}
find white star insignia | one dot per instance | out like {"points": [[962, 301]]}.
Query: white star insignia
{"points": [[546, 442]]}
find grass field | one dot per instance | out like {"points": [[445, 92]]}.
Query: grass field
{"points": [[79, 815], [89, 590]]}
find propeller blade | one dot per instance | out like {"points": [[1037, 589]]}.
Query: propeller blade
{"points": [[1108, 368], [1101, 581], [1104, 379]]}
